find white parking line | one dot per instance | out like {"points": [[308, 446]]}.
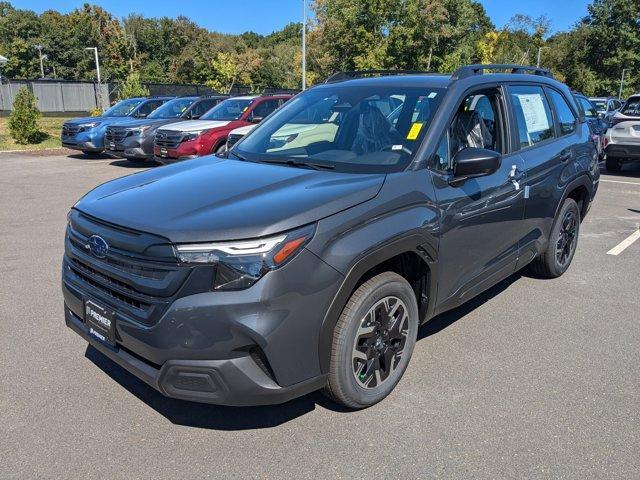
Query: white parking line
{"points": [[618, 181], [623, 245]]}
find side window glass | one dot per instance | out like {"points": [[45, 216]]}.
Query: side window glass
{"points": [[265, 108], [148, 107], [476, 124], [533, 115], [565, 116], [589, 109], [200, 108]]}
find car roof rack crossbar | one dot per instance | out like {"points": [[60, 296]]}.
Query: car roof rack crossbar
{"points": [[352, 74], [478, 69]]}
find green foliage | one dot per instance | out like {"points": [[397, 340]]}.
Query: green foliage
{"points": [[132, 87], [23, 121], [436, 35]]}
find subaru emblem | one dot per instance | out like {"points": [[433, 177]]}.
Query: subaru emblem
{"points": [[98, 246]]}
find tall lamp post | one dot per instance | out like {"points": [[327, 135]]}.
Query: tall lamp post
{"points": [[41, 57], [99, 94], [624, 70], [304, 44], [540, 54]]}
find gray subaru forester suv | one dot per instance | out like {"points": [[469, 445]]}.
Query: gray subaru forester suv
{"points": [[310, 254]]}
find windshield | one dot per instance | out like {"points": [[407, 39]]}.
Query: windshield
{"points": [[631, 108], [123, 108], [347, 128], [172, 109], [589, 109], [231, 109]]}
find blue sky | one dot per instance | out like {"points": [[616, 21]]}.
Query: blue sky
{"points": [[264, 16]]}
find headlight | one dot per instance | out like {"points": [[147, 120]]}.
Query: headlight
{"points": [[139, 131], [88, 126], [191, 135], [241, 264]]}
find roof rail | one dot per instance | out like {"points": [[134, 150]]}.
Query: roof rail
{"points": [[351, 74], [478, 69]]}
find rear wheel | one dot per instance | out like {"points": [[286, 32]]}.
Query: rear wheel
{"points": [[373, 341], [555, 260], [613, 164]]}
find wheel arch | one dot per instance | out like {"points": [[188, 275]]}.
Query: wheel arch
{"points": [[397, 256], [581, 190]]}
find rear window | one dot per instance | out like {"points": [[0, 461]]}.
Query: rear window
{"points": [[632, 107]]}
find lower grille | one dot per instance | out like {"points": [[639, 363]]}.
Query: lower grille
{"points": [[69, 130]]}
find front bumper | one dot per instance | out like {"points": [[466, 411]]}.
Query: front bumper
{"points": [[82, 145], [133, 148], [248, 347], [236, 381]]}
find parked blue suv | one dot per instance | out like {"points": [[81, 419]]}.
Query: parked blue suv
{"points": [[87, 133]]}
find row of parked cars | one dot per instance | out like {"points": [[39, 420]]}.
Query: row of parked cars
{"points": [[168, 129], [616, 127]]}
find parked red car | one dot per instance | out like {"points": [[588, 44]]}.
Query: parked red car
{"points": [[208, 134]]}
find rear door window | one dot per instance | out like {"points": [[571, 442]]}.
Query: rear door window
{"points": [[566, 117], [533, 115], [589, 109], [632, 107]]}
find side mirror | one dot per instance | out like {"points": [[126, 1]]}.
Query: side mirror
{"points": [[256, 119], [474, 162]]}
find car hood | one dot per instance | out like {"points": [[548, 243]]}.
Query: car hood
{"points": [[195, 125], [141, 122], [210, 198], [102, 120]]}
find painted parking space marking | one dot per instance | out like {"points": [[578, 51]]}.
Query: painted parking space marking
{"points": [[620, 181], [623, 245]]}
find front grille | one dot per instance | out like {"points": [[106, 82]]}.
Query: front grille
{"points": [[139, 275], [116, 134], [69, 130], [233, 139], [167, 139]]}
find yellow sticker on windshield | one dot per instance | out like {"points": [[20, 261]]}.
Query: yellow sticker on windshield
{"points": [[414, 131]]}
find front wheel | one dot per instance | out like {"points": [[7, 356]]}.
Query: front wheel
{"points": [[373, 341], [557, 257]]}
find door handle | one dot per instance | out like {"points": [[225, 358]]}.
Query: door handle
{"points": [[565, 155], [515, 176]]}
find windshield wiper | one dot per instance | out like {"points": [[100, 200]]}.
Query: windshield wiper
{"points": [[297, 163]]}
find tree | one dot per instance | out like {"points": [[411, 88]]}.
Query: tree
{"points": [[23, 121], [132, 87]]}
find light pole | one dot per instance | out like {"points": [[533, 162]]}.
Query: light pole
{"points": [[304, 44], [539, 54], [39, 48], [95, 51], [624, 70], [99, 92]]}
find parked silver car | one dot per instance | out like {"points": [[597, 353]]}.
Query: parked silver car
{"points": [[606, 106], [622, 140]]}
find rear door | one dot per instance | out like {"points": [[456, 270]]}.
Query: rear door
{"points": [[545, 153], [481, 219]]}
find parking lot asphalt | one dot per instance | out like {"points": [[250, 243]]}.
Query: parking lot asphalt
{"points": [[533, 379]]}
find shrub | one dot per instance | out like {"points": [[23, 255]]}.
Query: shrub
{"points": [[96, 112], [132, 87], [23, 121]]}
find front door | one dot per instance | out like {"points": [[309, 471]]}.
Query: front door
{"points": [[481, 219]]}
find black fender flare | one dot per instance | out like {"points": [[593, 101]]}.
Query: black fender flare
{"points": [[582, 181], [411, 243]]}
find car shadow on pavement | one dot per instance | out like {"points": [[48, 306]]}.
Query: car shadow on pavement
{"points": [[130, 164], [631, 169], [200, 415], [95, 156]]}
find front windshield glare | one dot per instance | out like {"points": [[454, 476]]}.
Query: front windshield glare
{"points": [[347, 128], [231, 109], [172, 109], [123, 108]]}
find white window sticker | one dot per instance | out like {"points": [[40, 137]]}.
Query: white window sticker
{"points": [[535, 115]]}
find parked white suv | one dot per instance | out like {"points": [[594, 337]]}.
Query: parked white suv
{"points": [[622, 140]]}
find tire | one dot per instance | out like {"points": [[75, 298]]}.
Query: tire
{"points": [[353, 381], [613, 164], [564, 234]]}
